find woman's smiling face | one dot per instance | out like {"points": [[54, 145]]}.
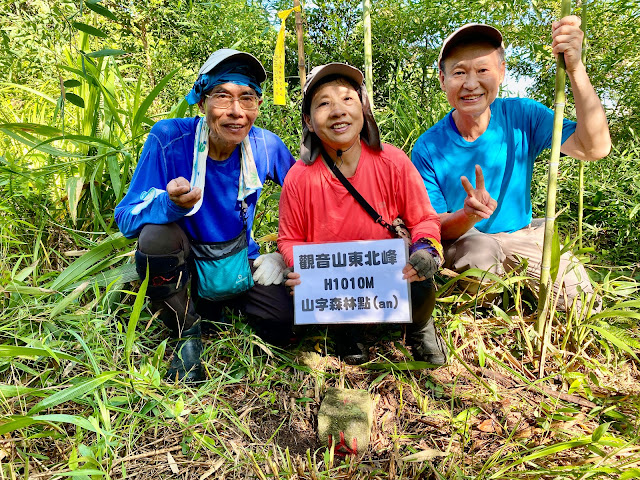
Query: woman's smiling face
{"points": [[335, 114]]}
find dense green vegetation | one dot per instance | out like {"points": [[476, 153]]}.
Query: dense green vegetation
{"points": [[81, 359]]}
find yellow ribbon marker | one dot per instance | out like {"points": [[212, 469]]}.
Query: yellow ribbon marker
{"points": [[279, 85]]}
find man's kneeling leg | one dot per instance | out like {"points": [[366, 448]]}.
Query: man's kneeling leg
{"points": [[167, 290]]}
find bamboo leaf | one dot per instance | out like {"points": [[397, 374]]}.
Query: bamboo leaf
{"points": [[146, 103], [123, 273], [158, 356], [600, 431], [100, 10], [30, 90], [72, 419], [18, 422], [34, 143], [628, 304], [26, 290], [72, 393], [79, 139], [114, 173], [62, 304], [32, 352], [613, 313], [78, 72], [502, 314], [481, 355], [87, 350], [84, 473], [36, 128], [108, 98], [88, 29], [106, 52], [542, 452], [75, 99], [179, 110], [72, 83], [74, 192], [630, 473], [82, 266], [609, 337], [133, 320], [10, 391]]}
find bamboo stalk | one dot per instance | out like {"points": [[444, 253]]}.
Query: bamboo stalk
{"points": [[583, 24], [543, 325], [368, 53], [301, 66]]}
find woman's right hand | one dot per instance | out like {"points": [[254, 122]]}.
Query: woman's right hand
{"points": [[292, 279]]}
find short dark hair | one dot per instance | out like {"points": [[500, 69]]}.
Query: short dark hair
{"points": [[306, 106], [499, 49]]}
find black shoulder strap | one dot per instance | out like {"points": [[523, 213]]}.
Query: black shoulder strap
{"points": [[359, 198]]}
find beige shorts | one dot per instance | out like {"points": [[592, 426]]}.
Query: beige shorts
{"points": [[502, 252]]}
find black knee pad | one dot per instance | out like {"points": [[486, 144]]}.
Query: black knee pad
{"points": [[167, 273]]}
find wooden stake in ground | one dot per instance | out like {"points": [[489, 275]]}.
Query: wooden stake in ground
{"points": [[543, 323], [301, 67], [368, 52]]}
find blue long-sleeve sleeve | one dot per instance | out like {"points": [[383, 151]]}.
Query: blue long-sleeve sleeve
{"points": [[168, 154], [146, 200]]}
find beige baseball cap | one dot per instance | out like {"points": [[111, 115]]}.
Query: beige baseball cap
{"points": [[470, 33], [322, 71]]}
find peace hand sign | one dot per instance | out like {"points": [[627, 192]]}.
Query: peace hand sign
{"points": [[478, 205]]}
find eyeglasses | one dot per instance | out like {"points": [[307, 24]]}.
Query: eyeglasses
{"points": [[224, 100]]}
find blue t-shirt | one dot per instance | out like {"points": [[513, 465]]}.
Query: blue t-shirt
{"points": [[168, 154], [518, 131]]}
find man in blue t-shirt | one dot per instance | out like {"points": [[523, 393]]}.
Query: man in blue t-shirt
{"points": [[191, 203], [496, 141]]}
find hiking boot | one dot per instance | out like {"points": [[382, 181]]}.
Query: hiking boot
{"points": [[353, 353], [428, 345], [185, 364], [351, 347]]}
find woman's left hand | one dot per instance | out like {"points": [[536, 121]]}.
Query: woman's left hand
{"points": [[411, 275], [293, 279]]}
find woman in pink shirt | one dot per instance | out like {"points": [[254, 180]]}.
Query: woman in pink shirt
{"points": [[315, 207]]}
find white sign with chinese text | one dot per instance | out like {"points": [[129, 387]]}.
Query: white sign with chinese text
{"points": [[352, 282]]}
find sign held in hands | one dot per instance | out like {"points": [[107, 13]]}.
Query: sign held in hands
{"points": [[352, 282]]}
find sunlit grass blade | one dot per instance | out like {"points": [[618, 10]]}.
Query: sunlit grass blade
{"points": [[17, 422], [146, 103], [61, 305], [133, 319], [32, 352], [72, 393], [82, 266]]}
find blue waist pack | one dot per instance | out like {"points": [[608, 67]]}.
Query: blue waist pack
{"points": [[222, 267]]}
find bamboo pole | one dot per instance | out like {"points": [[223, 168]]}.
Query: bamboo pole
{"points": [[583, 24], [543, 324], [301, 66], [368, 54]]}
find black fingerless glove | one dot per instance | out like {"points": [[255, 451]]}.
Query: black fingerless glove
{"points": [[424, 263], [285, 276]]}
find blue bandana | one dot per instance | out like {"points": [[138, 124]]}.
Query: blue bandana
{"points": [[232, 73]]}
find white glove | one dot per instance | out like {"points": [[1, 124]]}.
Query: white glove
{"points": [[269, 269]]}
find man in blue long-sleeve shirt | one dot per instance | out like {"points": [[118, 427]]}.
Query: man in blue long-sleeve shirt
{"points": [[191, 203]]}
